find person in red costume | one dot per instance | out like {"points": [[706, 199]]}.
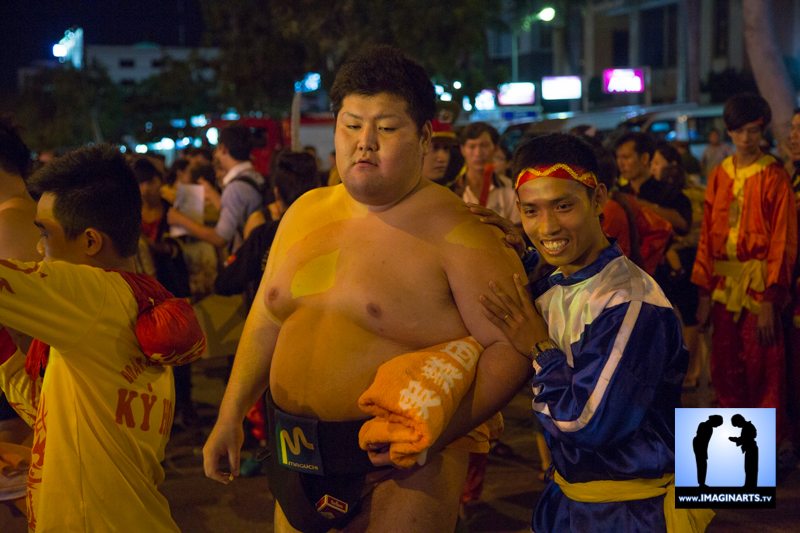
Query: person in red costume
{"points": [[743, 270]]}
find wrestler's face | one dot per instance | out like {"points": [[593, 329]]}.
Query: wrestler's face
{"points": [[794, 138], [562, 221], [436, 160], [379, 148], [53, 243]]}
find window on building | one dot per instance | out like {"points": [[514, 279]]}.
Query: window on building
{"points": [[545, 36], [671, 36], [620, 45], [158, 63], [721, 21], [499, 44], [659, 28], [127, 82], [127, 63]]}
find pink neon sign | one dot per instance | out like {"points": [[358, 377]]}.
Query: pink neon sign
{"points": [[623, 80]]}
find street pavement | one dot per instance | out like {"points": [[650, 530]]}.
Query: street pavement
{"points": [[511, 488]]}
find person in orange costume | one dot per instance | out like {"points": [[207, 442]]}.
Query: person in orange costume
{"points": [[747, 249]]}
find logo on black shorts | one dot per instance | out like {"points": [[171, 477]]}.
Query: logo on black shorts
{"points": [[296, 442]]}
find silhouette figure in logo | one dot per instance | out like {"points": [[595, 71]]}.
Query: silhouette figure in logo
{"points": [[700, 444], [747, 441]]}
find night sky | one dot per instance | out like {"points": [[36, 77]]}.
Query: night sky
{"points": [[31, 27]]}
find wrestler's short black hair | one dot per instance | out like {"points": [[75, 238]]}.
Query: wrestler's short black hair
{"points": [[473, 130], [554, 148], [238, 140], [743, 108], [643, 143], [385, 69], [15, 157], [94, 187]]}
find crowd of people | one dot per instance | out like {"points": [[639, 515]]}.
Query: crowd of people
{"points": [[397, 302]]}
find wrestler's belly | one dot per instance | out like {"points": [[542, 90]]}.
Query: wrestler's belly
{"points": [[322, 363]]}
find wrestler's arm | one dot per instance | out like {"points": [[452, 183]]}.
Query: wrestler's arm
{"points": [[513, 235], [251, 365], [501, 369], [248, 381]]}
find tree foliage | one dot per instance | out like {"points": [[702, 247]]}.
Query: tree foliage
{"points": [[258, 64], [64, 107], [182, 89], [266, 46]]}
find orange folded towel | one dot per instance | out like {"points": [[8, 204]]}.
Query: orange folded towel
{"points": [[414, 396]]}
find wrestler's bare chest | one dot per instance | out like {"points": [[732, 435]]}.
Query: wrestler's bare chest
{"points": [[351, 295], [387, 280]]}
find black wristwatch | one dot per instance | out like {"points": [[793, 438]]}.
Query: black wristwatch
{"points": [[540, 347]]}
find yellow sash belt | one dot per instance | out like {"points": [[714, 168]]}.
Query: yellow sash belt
{"points": [[607, 491], [739, 277]]}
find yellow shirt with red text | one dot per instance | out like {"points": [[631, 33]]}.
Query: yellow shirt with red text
{"points": [[104, 413]]}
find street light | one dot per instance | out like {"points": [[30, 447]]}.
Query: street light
{"points": [[546, 14]]}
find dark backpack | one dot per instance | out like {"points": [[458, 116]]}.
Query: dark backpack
{"points": [[261, 188]]}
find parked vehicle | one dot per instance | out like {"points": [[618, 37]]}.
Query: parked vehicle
{"points": [[605, 122], [691, 124]]}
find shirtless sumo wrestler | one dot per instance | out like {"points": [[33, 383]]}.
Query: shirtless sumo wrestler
{"points": [[384, 264]]}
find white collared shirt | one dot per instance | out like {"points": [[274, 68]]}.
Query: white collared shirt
{"points": [[235, 171], [501, 200]]}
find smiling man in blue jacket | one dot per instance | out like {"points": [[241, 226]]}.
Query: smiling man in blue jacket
{"points": [[607, 350]]}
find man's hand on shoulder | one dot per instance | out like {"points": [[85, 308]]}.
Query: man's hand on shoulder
{"points": [[515, 315], [511, 232]]}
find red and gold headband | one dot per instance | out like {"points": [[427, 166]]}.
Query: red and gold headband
{"points": [[559, 171]]}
